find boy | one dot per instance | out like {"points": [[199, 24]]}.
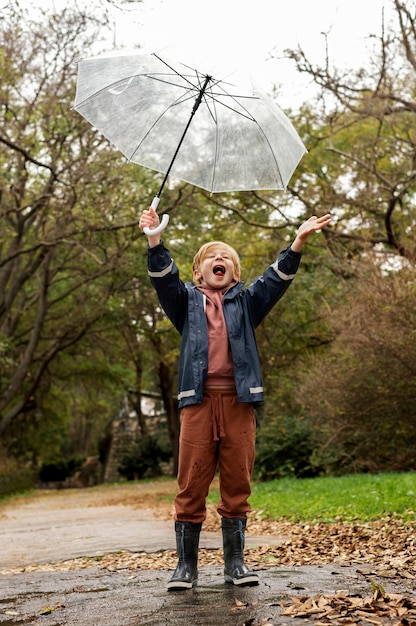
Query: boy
{"points": [[219, 385]]}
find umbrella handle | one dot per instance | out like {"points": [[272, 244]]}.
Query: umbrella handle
{"points": [[163, 223]]}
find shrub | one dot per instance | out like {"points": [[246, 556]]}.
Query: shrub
{"points": [[60, 470], [14, 477], [284, 448], [360, 394], [144, 458]]}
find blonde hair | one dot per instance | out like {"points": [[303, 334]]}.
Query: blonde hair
{"points": [[205, 249]]}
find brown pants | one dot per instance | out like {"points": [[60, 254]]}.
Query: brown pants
{"points": [[219, 432]]}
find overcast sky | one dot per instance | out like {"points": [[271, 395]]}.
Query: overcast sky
{"points": [[246, 32]]}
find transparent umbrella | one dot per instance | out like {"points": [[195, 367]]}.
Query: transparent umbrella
{"points": [[220, 134]]}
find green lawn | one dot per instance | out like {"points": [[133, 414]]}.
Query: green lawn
{"points": [[360, 497]]}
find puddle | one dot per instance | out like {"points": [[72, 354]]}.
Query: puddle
{"points": [[206, 605]]}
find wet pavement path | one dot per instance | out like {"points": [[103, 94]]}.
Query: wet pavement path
{"points": [[34, 531], [95, 597]]}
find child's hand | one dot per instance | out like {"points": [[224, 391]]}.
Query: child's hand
{"points": [[149, 218], [310, 226]]}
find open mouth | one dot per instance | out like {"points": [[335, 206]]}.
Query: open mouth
{"points": [[219, 270]]}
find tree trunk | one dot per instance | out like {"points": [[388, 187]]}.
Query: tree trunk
{"points": [[172, 411]]}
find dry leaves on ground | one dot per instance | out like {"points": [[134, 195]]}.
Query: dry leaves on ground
{"points": [[374, 609], [386, 547], [383, 548]]}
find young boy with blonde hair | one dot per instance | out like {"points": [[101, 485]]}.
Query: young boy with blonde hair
{"points": [[219, 386]]}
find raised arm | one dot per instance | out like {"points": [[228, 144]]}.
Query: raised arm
{"points": [[310, 226]]}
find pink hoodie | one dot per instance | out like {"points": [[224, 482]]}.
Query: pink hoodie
{"points": [[220, 362]]}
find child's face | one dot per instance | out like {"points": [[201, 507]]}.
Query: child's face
{"points": [[216, 268]]}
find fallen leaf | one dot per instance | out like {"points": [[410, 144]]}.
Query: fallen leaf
{"points": [[239, 605], [402, 611], [47, 610], [388, 573]]}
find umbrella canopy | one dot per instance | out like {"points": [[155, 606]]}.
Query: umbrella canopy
{"points": [[144, 104]]}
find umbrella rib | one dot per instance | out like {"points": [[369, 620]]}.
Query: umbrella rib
{"points": [[159, 78], [250, 117], [177, 101], [194, 110], [189, 67], [247, 114], [175, 71], [193, 86], [214, 117]]}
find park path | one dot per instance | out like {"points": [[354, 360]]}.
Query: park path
{"points": [[57, 525], [51, 526]]}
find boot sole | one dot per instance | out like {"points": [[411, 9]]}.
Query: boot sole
{"points": [[247, 581], [180, 585]]}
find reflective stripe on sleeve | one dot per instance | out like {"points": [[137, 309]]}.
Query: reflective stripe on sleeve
{"points": [[281, 274], [163, 273], [186, 394], [256, 389]]}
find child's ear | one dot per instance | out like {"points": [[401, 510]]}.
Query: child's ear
{"points": [[197, 275]]}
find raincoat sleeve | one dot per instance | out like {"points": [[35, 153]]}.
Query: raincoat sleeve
{"points": [[266, 290], [171, 291]]}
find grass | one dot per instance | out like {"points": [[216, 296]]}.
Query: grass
{"points": [[356, 497]]}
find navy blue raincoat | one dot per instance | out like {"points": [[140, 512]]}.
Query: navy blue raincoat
{"points": [[244, 309]]}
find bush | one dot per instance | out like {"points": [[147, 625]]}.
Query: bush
{"points": [[144, 458], [59, 471], [359, 395], [284, 448], [14, 477]]}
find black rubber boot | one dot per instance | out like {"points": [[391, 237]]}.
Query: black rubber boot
{"points": [[185, 575], [235, 571]]}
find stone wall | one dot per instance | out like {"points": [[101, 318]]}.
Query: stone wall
{"points": [[124, 431]]}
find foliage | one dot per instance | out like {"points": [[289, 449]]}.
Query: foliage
{"points": [[71, 256], [60, 470], [284, 448], [56, 251], [362, 418], [144, 459], [14, 477]]}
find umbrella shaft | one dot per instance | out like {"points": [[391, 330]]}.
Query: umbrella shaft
{"points": [[200, 96], [194, 110]]}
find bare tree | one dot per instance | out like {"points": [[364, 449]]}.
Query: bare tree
{"points": [[363, 144], [60, 239]]}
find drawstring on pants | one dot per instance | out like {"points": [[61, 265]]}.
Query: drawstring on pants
{"points": [[217, 409]]}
